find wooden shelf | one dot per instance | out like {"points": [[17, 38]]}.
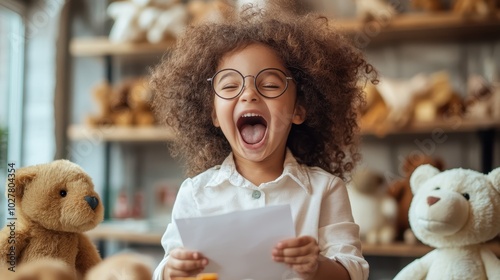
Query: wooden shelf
{"points": [[119, 134], [100, 46], [404, 27], [440, 126], [444, 26], [152, 134]]}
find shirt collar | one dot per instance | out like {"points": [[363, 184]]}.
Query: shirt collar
{"points": [[291, 168]]}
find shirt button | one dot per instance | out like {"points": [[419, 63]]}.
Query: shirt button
{"points": [[256, 194]]}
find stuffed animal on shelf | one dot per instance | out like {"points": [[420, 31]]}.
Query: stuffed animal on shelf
{"points": [[483, 99], [439, 102], [209, 11], [375, 111], [368, 10], [147, 20], [127, 104], [372, 209], [428, 5], [399, 95], [481, 8], [454, 211], [400, 190], [55, 203]]}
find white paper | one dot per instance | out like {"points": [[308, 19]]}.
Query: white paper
{"points": [[239, 245]]}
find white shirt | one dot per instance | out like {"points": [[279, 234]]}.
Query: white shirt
{"points": [[318, 200]]}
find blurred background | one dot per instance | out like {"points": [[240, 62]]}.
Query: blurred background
{"points": [[73, 84]]}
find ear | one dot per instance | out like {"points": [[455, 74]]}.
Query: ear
{"points": [[215, 121], [494, 176], [299, 114], [23, 177], [421, 175]]}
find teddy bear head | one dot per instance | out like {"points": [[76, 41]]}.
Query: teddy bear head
{"points": [[58, 196], [457, 207]]}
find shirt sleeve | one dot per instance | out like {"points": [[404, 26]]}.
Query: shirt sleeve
{"points": [[184, 206], [338, 235]]}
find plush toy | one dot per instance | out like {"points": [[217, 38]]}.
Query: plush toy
{"points": [[454, 211], [483, 100], [428, 5], [367, 10], [127, 104], [125, 266], [439, 102], [400, 190], [151, 20], [41, 269], [101, 93], [375, 111], [373, 210], [399, 95], [209, 11], [54, 204], [480, 8]]}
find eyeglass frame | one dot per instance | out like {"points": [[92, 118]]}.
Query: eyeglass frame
{"points": [[287, 78]]}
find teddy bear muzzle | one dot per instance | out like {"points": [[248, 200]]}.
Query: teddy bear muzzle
{"points": [[92, 201]]}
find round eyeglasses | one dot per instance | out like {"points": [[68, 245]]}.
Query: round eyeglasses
{"points": [[269, 82]]}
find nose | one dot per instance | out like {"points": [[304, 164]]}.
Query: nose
{"points": [[250, 92], [432, 200], [92, 201]]}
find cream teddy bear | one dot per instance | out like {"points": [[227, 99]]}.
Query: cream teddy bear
{"points": [[372, 207], [454, 211]]}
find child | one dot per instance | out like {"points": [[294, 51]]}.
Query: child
{"points": [[265, 113]]}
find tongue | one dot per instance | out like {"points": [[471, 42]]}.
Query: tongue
{"points": [[252, 134]]}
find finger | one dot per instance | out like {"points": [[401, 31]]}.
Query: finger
{"points": [[295, 242], [183, 254], [296, 260], [186, 265], [179, 274]]}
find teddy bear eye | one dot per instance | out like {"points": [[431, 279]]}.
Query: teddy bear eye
{"points": [[63, 193], [437, 188], [466, 195]]}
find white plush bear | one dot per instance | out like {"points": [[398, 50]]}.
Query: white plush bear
{"points": [[454, 211], [372, 207]]}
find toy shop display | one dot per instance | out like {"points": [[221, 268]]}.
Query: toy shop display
{"points": [[455, 212]]}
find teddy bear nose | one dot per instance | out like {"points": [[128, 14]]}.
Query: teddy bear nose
{"points": [[92, 201], [432, 199]]}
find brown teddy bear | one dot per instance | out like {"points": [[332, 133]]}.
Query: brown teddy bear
{"points": [[401, 191], [480, 8], [54, 204]]}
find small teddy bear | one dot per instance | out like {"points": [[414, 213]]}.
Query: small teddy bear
{"points": [[372, 208], [54, 204], [454, 211]]}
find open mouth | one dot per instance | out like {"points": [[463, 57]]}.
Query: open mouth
{"points": [[252, 128]]}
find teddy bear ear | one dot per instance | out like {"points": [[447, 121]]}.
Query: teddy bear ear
{"points": [[23, 177], [421, 175], [494, 176]]}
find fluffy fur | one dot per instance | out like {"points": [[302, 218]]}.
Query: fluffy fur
{"points": [[53, 211], [454, 211]]}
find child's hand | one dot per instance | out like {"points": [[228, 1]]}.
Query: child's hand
{"points": [[301, 254], [182, 263]]}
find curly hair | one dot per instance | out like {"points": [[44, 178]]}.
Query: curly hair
{"points": [[325, 65]]}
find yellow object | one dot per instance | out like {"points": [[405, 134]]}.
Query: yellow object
{"points": [[207, 276]]}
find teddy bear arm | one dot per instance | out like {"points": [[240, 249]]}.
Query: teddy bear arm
{"points": [[491, 264], [416, 270], [17, 242], [87, 256]]}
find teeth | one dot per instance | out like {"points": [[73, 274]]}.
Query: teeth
{"points": [[250, 115]]}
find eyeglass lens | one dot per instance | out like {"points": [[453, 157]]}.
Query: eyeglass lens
{"points": [[270, 83]]}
